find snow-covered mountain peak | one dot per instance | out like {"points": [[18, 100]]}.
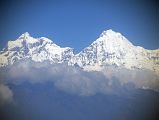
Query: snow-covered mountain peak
{"points": [[112, 37], [25, 35], [110, 42], [45, 40], [37, 49], [30, 40], [107, 32], [111, 48], [25, 40]]}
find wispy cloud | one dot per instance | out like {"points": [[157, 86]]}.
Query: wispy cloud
{"points": [[6, 95]]}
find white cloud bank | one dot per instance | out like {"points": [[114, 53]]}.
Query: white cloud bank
{"points": [[75, 80]]}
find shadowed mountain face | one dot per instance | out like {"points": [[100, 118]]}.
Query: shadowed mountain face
{"points": [[45, 101]]}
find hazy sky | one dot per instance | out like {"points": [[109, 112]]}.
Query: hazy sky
{"points": [[77, 23]]}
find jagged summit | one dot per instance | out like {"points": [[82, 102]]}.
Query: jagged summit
{"points": [[105, 32], [111, 48], [37, 49], [25, 35], [26, 40]]}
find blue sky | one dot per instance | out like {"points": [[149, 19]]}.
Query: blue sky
{"points": [[77, 23]]}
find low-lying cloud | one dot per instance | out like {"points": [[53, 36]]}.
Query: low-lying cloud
{"points": [[68, 78], [6, 95], [76, 81]]}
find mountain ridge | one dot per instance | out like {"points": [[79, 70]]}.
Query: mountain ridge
{"points": [[111, 48]]}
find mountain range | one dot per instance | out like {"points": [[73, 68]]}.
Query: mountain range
{"points": [[111, 48]]}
